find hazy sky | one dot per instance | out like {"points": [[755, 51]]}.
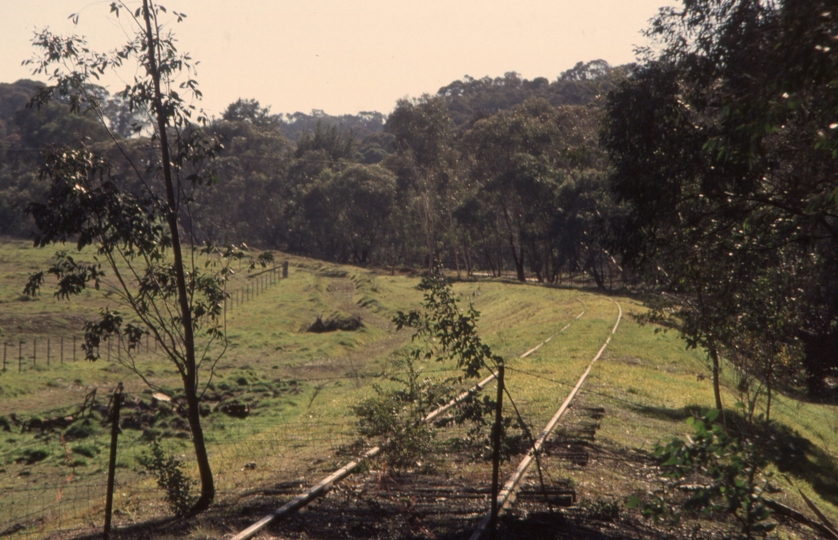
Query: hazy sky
{"points": [[346, 56]]}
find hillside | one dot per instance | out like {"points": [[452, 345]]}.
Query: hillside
{"points": [[299, 387]]}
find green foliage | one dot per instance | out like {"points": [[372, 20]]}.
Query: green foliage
{"points": [[724, 473], [86, 450], [168, 471], [81, 430], [397, 414], [602, 510], [723, 159], [30, 456], [539, 177], [445, 330], [135, 226]]}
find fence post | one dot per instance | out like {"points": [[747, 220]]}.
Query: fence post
{"points": [[285, 269], [109, 350], [34, 352], [117, 399], [496, 432]]}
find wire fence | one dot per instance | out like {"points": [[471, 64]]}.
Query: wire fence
{"points": [[55, 485], [59, 485], [27, 352]]}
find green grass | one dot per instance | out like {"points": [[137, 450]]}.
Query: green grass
{"points": [[300, 387]]}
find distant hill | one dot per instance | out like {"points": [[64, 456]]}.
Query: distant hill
{"points": [[470, 99]]}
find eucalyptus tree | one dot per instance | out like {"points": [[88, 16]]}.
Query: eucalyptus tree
{"points": [[247, 200], [724, 151], [426, 164], [142, 255], [528, 165]]}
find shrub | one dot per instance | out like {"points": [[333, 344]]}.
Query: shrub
{"points": [[80, 431], [168, 471], [730, 473], [86, 450], [397, 414]]}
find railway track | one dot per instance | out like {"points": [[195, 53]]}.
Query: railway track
{"points": [[507, 494], [430, 497]]}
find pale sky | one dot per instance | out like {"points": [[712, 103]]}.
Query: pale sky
{"points": [[346, 56]]}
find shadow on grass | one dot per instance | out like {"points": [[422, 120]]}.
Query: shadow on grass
{"points": [[668, 413], [790, 452], [797, 456], [575, 522]]}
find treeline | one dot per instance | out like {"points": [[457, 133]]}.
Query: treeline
{"points": [[724, 145], [706, 175], [487, 175]]}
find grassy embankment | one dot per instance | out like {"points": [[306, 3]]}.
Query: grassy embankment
{"points": [[300, 386]]}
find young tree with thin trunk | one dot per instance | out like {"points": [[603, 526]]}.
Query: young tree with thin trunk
{"points": [[142, 255]]}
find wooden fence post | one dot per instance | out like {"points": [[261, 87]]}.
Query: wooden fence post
{"points": [[117, 400], [34, 352], [285, 269], [496, 441]]}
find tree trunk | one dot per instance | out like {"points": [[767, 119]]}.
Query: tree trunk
{"points": [[518, 258], [193, 415], [590, 267], [190, 377], [717, 391]]}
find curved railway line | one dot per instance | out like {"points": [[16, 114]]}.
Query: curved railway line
{"points": [[507, 495]]}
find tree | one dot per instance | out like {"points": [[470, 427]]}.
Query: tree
{"points": [[425, 163], [137, 235], [362, 198], [247, 200], [249, 110], [534, 166], [724, 154]]}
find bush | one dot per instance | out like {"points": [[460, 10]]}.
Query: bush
{"points": [[168, 471], [31, 456], [397, 414], [727, 476], [80, 431], [86, 450]]}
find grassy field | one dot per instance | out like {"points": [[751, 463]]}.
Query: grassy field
{"points": [[299, 388]]}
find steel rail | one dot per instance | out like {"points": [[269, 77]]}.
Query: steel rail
{"points": [[507, 494], [326, 484]]}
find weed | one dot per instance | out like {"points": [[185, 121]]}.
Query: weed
{"points": [[80, 431], [168, 471], [86, 450], [602, 510], [31, 456], [397, 414], [732, 470]]}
